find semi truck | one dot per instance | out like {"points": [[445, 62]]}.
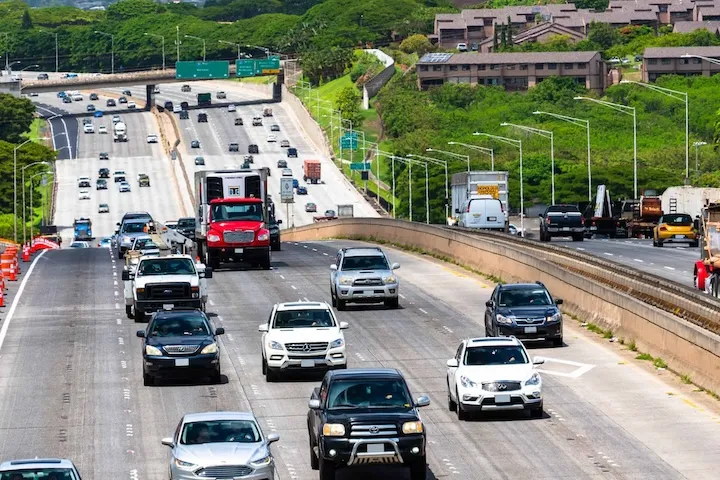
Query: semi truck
{"points": [[204, 99], [642, 214], [120, 132], [707, 269], [688, 199], [467, 184], [311, 171], [232, 216], [83, 229]]}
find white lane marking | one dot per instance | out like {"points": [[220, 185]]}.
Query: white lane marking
{"points": [[116, 293], [117, 306], [119, 322], [211, 303], [220, 319], [282, 276], [401, 296], [314, 249], [306, 299], [447, 329], [423, 311], [325, 254], [360, 356], [255, 389], [126, 393], [670, 268], [582, 368], [129, 430], [230, 337], [121, 341], [115, 283], [580, 248], [16, 300], [606, 253], [123, 363], [638, 260], [114, 274], [293, 287]]}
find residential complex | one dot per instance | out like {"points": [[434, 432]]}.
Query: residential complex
{"points": [[679, 61]]}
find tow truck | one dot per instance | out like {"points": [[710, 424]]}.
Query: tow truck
{"points": [[707, 269], [83, 229]]}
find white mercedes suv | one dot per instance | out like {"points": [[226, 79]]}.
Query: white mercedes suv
{"points": [[302, 336], [494, 373]]}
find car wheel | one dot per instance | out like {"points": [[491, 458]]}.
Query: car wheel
{"points": [[264, 366], [341, 304], [392, 303], [659, 243], [327, 469], [695, 244], [314, 463], [557, 342], [461, 414], [216, 377], [537, 412], [265, 263], [333, 299], [148, 380], [452, 405], [418, 469], [270, 375]]}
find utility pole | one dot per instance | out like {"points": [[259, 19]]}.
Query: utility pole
{"points": [[177, 42]]}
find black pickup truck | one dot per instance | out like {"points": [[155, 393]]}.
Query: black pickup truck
{"points": [[562, 221], [366, 416]]}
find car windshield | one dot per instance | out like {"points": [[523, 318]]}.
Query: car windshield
{"points": [[246, 211], [368, 262], [186, 222], [517, 297], [190, 326], [40, 474], [677, 220], [220, 431], [495, 355], [134, 227], [78, 245], [303, 319], [385, 393], [166, 266], [145, 244]]}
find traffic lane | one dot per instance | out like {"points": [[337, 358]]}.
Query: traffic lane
{"points": [[64, 132], [632, 422], [172, 92], [62, 394], [418, 339], [674, 262]]}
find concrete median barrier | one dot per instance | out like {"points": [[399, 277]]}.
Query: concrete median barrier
{"points": [[687, 348]]}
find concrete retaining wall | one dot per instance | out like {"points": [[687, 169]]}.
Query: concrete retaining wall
{"points": [[687, 348], [373, 86]]}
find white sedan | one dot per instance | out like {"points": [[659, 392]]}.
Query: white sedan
{"points": [[89, 128], [131, 105], [272, 138], [102, 129], [84, 195], [152, 138], [492, 374], [231, 108]]}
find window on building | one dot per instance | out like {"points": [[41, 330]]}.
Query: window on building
{"points": [[666, 61], [539, 66], [582, 66], [552, 66], [523, 66], [437, 68], [652, 61], [684, 61], [510, 67], [423, 68], [494, 67], [453, 68], [580, 81], [697, 60], [466, 68], [663, 8], [568, 66]]}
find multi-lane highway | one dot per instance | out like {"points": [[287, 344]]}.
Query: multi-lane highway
{"points": [[72, 371]]}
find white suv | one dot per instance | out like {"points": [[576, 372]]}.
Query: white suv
{"points": [[491, 374], [302, 336]]}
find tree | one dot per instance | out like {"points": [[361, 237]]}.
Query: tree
{"points": [[417, 43], [603, 34], [495, 40], [27, 23], [348, 103], [17, 115]]}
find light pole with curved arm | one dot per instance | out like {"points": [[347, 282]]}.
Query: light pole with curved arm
{"points": [[444, 163], [15, 150], [112, 48], [478, 148], [57, 52], [23, 192], [546, 134], [232, 43], [47, 172], [452, 154], [163, 45], [203, 42]]}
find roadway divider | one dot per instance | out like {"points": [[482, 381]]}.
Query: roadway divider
{"points": [[663, 319], [172, 119], [169, 140]]}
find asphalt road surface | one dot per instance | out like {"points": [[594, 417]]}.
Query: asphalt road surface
{"points": [[72, 375]]}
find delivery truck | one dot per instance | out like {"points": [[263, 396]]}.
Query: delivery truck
{"points": [[688, 199], [467, 184], [311, 171]]}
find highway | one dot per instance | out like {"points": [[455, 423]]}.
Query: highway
{"points": [[607, 416]]}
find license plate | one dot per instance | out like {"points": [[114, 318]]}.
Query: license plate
{"points": [[375, 448], [679, 236], [307, 363], [238, 250], [566, 229], [168, 306], [492, 219], [530, 329], [476, 215], [502, 398], [182, 362]]}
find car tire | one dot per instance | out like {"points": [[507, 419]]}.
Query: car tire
{"points": [[452, 405], [341, 304], [537, 412], [216, 377], [276, 247], [270, 375], [695, 244], [265, 263], [461, 414], [128, 311], [148, 380], [264, 366], [557, 342], [333, 299], [578, 238], [392, 303], [418, 469], [659, 243], [314, 462], [327, 469]]}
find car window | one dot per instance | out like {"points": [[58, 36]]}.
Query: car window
{"points": [[251, 211], [385, 393], [166, 266], [562, 209], [145, 243], [303, 319], [517, 297], [175, 326], [186, 222], [220, 431], [495, 355], [677, 220], [133, 227], [40, 474], [369, 262]]}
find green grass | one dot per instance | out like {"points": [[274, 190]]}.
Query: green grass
{"points": [[632, 347], [644, 356], [37, 129], [264, 80], [659, 363], [686, 379]]}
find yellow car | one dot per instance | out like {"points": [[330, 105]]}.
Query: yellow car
{"points": [[675, 228]]}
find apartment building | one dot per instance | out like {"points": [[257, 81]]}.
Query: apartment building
{"points": [[684, 61], [514, 71]]}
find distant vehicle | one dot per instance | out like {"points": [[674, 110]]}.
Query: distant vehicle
{"points": [[311, 171], [267, 112], [152, 138], [131, 105], [43, 76], [116, 119], [156, 89], [282, 164], [292, 152], [110, 103], [284, 143], [184, 115], [88, 128], [301, 191], [104, 208], [199, 161], [231, 108], [184, 105], [61, 94], [562, 221], [122, 100], [675, 228], [105, 242], [83, 182], [90, 108], [77, 97], [249, 158], [202, 118], [253, 148], [77, 244], [286, 172], [101, 184], [127, 92], [195, 144], [98, 114], [185, 88], [72, 75], [257, 122], [84, 195], [330, 213], [272, 138], [94, 96], [310, 207], [34, 94], [143, 180], [462, 47], [221, 94], [124, 187], [483, 212], [66, 100], [296, 184], [176, 109], [275, 128], [104, 156], [117, 174], [168, 105], [234, 147], [204, 99], [102, 129], [238, 121], [104, 172]]}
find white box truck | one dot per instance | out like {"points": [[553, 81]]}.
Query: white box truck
{"points": [[119, 132], [467, 184]]}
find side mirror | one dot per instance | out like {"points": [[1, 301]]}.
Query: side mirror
{"points": [[168, 442], [279, 222], [489, 304], [220, 331], [558, 301], [452, 363], [395, 266], [313, 404], [333, 267], [125, 275], [344, 325], [272, 438], [541, 215], [117, 224], [423, 401], [538, 360], [263, 327], [208, 272], [117, 231], [457, 210], [140, 333]]}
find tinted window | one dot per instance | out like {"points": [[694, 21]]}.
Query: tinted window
{"points": [[251, 211], [176, 326], [563, 209], [390, 393], [518, 297], [133, 227], [496, 355], [220, 431], [186, 222], [164, 266], [679, 219], [40, 474], [303, 318], [370, 262], [145, 243]]}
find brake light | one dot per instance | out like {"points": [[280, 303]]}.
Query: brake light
{"points": [[547, 220], [468, 208], [662, 229]]}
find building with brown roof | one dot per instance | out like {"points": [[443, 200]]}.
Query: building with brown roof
{"points": [[661, 61], [514, 71], [688, 27], [539, 33]]}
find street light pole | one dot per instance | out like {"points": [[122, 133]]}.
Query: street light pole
{"points": [[112, 48], [233, 43], [47, 172], [546, 134], [23, 194], [697, 146], [203, 42], [488, 151], [57, 56], [15, 150], [452, 154], [177, 42], [444, 163], [163, 46]]}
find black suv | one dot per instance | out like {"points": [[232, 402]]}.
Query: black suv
{"points": [[562, 221], [202, 118], [274, 228], [366, 416], [292, 152], [104, 156], [168, 105], [234, 147], [104, 173], [110, 103], [252, 148], [526, 311], [186, 227], [180, 342]]}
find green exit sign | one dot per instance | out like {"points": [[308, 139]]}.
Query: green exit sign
{"points": [[360, 166]]}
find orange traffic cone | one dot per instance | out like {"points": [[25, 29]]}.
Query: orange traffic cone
{"points": [[13, 272], [197, 259], [26, 253], [2, 296]]}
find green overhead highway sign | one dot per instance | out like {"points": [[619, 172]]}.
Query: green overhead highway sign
{"points": [[267, 66], [360, 166], [204, 70], [348, 141], [245, 67]]}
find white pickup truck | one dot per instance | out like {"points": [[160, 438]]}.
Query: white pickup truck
{"points": [[164, 283], [302, 336]]}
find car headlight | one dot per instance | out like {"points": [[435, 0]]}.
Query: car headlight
{"points": [[263, 461], [333, 429], [390, 279], [467, 383], [275, 345], [556, 317], [346, 280], [412, 427], [212, 237], [212, 348], [126, 239], [263, 237], [337, 343], [534, 380], [504, 320], [181, 464], [150, 350]]}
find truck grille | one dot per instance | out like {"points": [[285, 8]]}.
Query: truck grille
{"points": [[225, 471], [501, 386], [181, 349], [309, 347], [240, 236], [374, 430], [530, 321], [168, 291], [365, 282]]}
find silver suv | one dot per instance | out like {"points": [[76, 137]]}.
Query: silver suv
{"points": [[363, 275], [39, 468]]}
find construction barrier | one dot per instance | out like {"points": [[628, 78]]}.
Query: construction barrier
{"points": [[26, 253], [6, 265], [42, 243]]}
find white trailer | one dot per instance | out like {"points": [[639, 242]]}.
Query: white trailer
{"points": [[467, 184], [687, 199], [120, 132]]}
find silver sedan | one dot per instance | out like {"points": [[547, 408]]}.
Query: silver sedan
{"points": [[223, 445]]}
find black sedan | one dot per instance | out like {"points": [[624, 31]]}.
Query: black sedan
{"points": [[253, 148], [110, 103], [195, 144], [122, 100], [104, 156], [178, 344]]}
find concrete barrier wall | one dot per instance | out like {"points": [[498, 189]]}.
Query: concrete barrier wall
{"points": [[373, 86], [687, 348], [309, 125]]}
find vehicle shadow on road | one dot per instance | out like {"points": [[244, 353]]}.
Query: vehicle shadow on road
{"points": [[189, 382], [380, 473]]}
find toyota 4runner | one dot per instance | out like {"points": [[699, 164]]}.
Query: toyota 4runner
{"points": [[363, 275]]}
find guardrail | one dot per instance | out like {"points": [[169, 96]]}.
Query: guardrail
{"points": [[664, 319]]}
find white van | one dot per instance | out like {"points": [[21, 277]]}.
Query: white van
{"points": [[77, 97], [482, 211]]}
